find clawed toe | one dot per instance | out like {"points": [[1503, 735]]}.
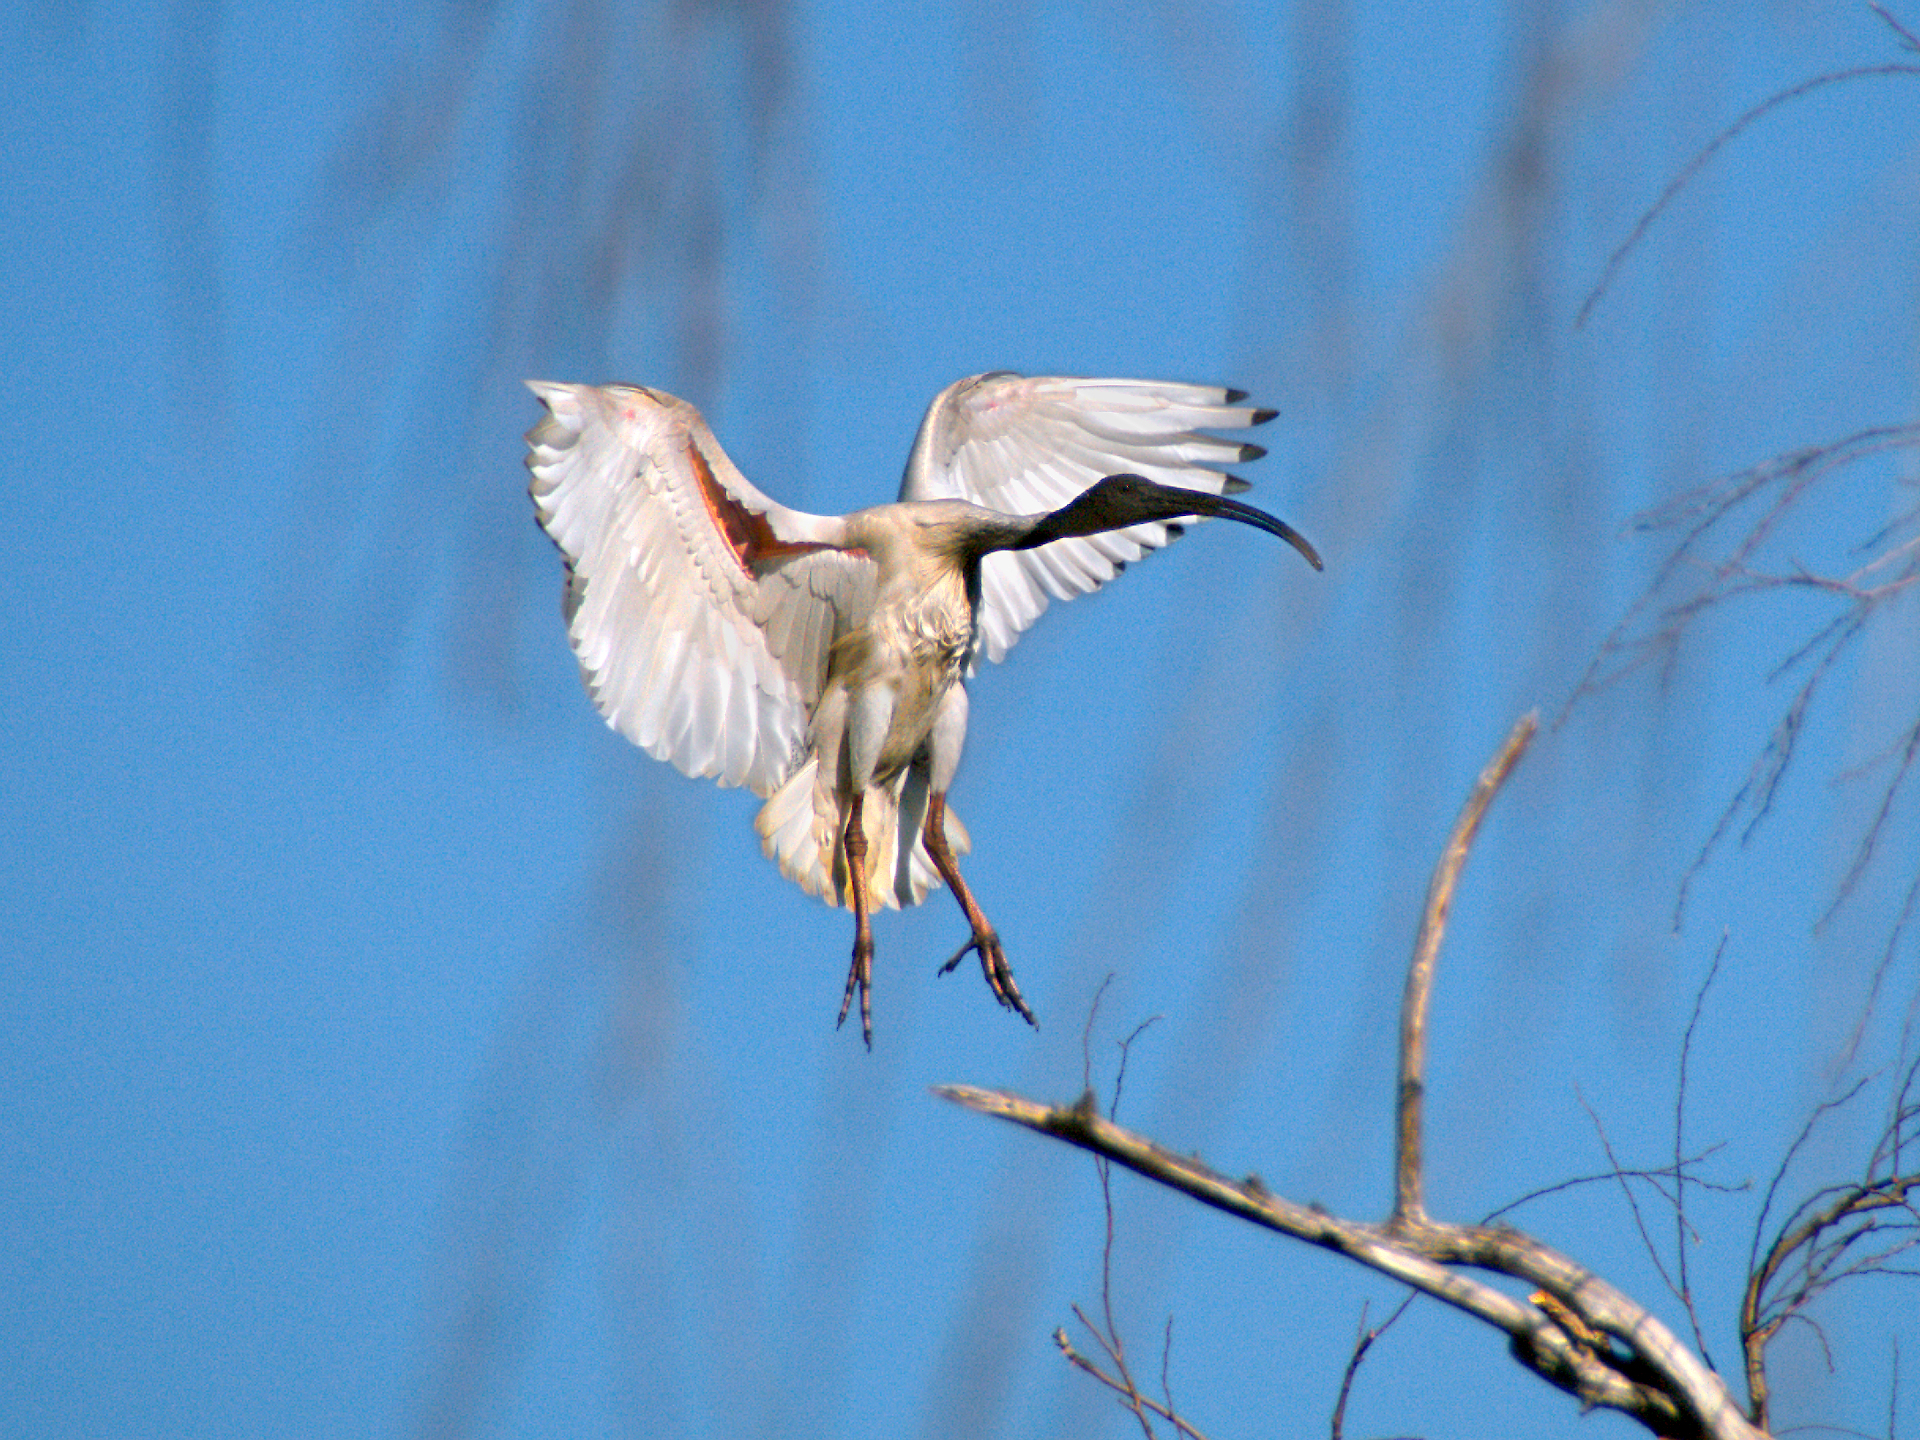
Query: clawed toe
{"points": [[993, 964], [860, 977]]}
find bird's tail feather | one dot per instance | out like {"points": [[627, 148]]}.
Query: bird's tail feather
{"points": [[802, 824]]}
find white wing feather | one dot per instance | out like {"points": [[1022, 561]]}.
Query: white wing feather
{"points": [[1028, 445], [704, 646]]}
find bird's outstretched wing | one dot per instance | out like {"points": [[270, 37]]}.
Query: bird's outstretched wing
{"points": [[701, 611], [1025, 445]]}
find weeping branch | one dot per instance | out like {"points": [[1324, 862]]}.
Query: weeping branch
{"points": [[1732, 542], [1713, 147]]}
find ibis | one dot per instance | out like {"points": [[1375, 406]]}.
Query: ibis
{"points": [[822, 660]]}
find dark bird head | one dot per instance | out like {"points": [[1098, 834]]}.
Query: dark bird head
{"points": [[1122, 500]]}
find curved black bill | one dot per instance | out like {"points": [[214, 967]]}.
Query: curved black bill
{"points": [[1221, 508], [1122, 500]]}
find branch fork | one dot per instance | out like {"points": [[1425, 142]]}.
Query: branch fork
{"points": [[1575, 1330]]}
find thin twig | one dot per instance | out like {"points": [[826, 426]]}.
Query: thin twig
{"points": [[1679, 1150], [1864, 855], [1633, 1205], [1086, 1036], [1651, 1177], [1706, 152], [1363, 1342], [1166, 1370], [1126, 1048], [1907, 39], [1109, 1337], [1893, 1395], [1129, 1397]]}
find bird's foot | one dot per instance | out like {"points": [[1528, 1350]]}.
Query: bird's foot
{"points": [[860, 977], [993, 964]]}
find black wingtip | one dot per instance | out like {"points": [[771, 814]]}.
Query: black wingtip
{"points": [[1262, 415], [1234, 397], [1234, 485], [1251, 452]]}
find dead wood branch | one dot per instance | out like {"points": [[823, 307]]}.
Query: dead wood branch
{"points": [[1638, 1368], [1579, 1332]]}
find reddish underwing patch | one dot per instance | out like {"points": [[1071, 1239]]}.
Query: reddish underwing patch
{"points": [[748, 535]]}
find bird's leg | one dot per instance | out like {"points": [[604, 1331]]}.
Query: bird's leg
{"points": [[860, 973], [993, 958]]}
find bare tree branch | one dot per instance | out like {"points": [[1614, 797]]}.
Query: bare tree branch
{"points": [[1633, 1204], [1698, 513], [1578, 1331], [1870, 841], [1893, 1395], [1907, 40], [1409, 1207], [1637, 1366]]}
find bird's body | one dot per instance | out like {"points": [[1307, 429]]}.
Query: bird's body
{"points": [[821, 660]]}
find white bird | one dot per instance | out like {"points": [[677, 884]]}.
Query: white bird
{"points": [[820, 660]]}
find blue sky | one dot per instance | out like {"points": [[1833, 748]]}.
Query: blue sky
{"points": [[391, 1049]]}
